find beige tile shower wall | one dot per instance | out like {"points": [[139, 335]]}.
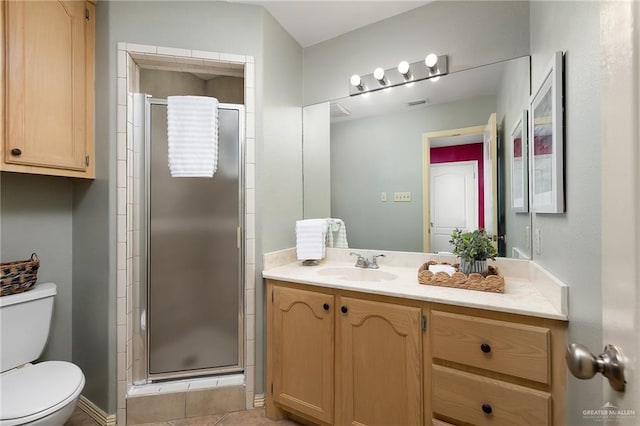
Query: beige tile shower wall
{"points": [[128, 180]]}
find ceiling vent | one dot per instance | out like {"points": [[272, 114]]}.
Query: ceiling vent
{"points": [[416, 103]]}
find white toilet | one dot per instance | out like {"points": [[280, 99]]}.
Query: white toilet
{"points": [[34, 394]]}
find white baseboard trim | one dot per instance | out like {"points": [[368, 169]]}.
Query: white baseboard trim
{"points": [[258, 401], [96, 412]]}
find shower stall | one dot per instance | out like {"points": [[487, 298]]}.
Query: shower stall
{"points": [[189, 320]]}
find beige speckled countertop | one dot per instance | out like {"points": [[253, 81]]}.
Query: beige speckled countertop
{"points": [[529, 289]]}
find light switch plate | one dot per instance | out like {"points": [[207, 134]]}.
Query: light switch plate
{"points": [[383, 197]]}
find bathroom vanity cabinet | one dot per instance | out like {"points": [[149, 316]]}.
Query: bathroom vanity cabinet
{"points": [[342, 357], [48, 82], [339, 358]]}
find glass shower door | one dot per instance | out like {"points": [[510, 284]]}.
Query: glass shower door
{"points": [[194, 257]]}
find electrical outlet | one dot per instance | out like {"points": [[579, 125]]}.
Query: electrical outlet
{"points": [[383, 197], [537, 244], [402, 197]]}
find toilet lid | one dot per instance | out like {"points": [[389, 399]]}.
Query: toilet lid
{"points": [[37, 387]]}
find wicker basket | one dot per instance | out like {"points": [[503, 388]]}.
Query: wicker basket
{"points": [[16, 277], [493, 282]]}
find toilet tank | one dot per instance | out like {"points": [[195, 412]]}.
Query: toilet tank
{"points": [[25, 319]]}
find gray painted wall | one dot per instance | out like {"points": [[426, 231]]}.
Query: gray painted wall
{"points": [[571, 241], [36, 217], [513, 99], [161, 84], [226, 89], [472, 33], [279, 174], [383, 154]]}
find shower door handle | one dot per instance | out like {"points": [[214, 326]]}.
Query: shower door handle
{"points": [[143, 320]]}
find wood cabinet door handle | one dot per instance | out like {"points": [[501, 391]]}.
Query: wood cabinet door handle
{"points": [[16, 151]]}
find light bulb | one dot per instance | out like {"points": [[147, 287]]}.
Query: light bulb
{"points": [[355, 80], [403, 67], [378, 74], [431, 60]]}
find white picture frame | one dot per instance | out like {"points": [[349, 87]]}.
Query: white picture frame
{"points": [[546, 144], [519, 147]]}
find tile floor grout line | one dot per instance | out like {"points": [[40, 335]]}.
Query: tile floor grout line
{"points": [[221, 419]]}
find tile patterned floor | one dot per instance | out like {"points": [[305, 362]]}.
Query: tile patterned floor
{"points": [[255, 417]]}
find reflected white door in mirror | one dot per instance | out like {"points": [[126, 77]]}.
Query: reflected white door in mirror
{"points": [[453, 201]]}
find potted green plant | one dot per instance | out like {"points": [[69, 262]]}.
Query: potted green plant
{"points": [[473, 249]]}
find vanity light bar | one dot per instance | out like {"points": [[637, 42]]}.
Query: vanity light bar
{"points": [[394, 77]]}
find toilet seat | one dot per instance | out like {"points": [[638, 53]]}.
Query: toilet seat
{"points": [[35, 391]]}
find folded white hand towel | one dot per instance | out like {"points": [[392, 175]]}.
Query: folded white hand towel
{"points": [[192, 130], [336, 233], [310, 238]]}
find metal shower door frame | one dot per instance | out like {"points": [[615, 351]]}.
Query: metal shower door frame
{"points": [[239, 367]]}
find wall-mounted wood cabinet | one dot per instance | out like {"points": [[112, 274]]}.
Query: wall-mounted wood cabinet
{"points": [[48, 87]]}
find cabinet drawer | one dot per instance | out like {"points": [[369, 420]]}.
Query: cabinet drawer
{"points": [[482, 401], [516, 349]]}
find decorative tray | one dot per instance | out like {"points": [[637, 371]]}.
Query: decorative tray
{"points": [[494, 281]]}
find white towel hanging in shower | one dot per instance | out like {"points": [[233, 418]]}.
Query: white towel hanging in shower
{"points": [[192, 131]]}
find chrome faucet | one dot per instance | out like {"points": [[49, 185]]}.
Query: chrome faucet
{"points": [[362, 262]]}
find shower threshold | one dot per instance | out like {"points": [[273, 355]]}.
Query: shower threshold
{"points": [[184, 385]]}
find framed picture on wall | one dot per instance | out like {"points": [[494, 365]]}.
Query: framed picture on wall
{"points": [[520, 165], [546, 144]]}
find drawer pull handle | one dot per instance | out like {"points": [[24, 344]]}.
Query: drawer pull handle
{"points": [[344, 310], [486, 408], [325, 306], [486, 348], [16, 151]]}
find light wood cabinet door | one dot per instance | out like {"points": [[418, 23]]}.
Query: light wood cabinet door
{"points": [[49, 87], [303, 351], [379, 368]]}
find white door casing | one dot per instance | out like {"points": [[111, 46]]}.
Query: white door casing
{"points": [[490, 151], [454, 201]]}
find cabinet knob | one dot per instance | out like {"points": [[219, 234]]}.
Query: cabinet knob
{"points": [[485, 347], [344, 309], [325, 306], [16, 151], [486, 408]]}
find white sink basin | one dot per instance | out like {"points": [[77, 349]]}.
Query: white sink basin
{"points": [[358, 274]]}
